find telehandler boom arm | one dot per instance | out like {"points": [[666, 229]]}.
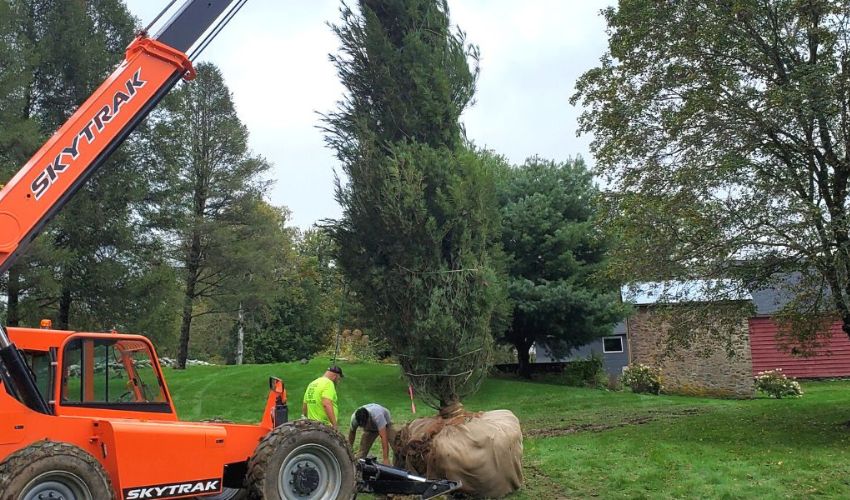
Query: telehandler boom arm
{"points": [[151, 68]]}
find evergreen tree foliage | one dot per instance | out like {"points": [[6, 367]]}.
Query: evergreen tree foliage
{"points": [[19, 132], [209, 198], [419, 212], [556, 256], [92, 259]]}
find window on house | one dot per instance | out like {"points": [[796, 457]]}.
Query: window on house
{"points": [[612, 344]]}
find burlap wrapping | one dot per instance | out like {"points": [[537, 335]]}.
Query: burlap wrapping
{"points": [[483, 450]]}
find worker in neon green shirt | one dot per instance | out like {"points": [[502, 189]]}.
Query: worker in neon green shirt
{"points": [[320, 402]]}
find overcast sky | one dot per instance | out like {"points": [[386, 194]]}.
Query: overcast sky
{"points": [[274, 56]]}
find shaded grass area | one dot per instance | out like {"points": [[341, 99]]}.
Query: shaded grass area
{"points": [[589, 443]]}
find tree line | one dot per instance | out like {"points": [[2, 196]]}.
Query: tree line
{"points": [[443, 249], [173, 236]]}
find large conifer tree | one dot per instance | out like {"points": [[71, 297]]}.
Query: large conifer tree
{"points": [[88, 267], [419, 212], [209, 190], [556, 257]]}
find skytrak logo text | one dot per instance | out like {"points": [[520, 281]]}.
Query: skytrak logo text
{"points": [[90, 132], [173, 490]]}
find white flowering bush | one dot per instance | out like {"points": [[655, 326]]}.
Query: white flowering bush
{"points": [[642, 378], [775, 384]]}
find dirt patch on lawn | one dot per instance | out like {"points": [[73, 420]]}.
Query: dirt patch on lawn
{"points": [[605, 426]]}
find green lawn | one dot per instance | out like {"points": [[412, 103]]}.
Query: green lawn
{"points": [[585, 442]]}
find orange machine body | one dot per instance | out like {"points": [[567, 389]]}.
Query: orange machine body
{"points": [[141, 444]]}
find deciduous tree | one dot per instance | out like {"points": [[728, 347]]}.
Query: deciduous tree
{"points": [[722, 129]]}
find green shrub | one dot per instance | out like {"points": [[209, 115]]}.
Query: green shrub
{"points": [[642, 379], [775, 384], [504, 354], [588, 372]]}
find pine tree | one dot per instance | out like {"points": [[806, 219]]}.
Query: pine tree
{"points": [[93, 235], [19, 132], [556, 258], [419, 217], [85, 267], [209, 190]]}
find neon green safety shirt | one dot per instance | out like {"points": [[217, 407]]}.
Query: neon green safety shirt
{"points": [[320, 388]]}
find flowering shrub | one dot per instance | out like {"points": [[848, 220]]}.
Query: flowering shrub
{"points": [[642, 379], [775, 384]]}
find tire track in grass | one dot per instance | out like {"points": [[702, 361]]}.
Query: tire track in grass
{"points": [[600, 427], [191, 408]]}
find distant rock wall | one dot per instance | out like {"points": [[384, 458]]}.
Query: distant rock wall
{"points": [[709, 372]]}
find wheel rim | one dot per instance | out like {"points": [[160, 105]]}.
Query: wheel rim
{"points": [[56, 485], [310, 472]]}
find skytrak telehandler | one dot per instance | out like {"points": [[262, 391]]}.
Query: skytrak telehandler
{"points": [[88, 416]]}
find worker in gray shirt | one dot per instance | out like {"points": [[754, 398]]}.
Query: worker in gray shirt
{"points": [[375, 421]]}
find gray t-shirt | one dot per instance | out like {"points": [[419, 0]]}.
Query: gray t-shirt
{"points": [[379, 417]]}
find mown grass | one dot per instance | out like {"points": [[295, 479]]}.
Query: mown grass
{"points": [[591, 443]]}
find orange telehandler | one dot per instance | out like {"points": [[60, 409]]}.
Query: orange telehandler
{"points": [[88, 416]]}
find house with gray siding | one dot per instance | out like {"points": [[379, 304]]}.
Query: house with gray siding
{"points": [[613, 349]]}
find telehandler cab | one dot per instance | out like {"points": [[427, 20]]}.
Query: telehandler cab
{"points": [[88, 416]]}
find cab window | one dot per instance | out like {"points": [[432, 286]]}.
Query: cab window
{"points": [[115, 373]]}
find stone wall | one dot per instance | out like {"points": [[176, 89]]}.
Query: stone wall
{"points": [[711, 372]]}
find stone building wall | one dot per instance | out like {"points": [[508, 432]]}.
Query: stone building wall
{"points": [[711, 372]]}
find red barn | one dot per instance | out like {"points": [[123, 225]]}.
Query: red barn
{"points": [[830, 360]]}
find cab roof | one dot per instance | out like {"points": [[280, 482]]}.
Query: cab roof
{"points": [[42, 339]]}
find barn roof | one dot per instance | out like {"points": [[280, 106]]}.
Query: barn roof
{"points": [[677, 292], [770, 300]]}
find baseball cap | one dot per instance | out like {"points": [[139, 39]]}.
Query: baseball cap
{"points": [[337, 370]]}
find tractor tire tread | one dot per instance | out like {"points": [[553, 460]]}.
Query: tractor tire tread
{"points": [[11, 467], [279, 437]]}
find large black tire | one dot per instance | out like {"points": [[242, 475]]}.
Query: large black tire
{"points": [[303, 459], [228, 494], [53, 470]]}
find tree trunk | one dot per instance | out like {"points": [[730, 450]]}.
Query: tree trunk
{"points": [[240, 337], [64, 308], [192, 265], [185, 325], [451, 409], [13, 317], [523, 358]]}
